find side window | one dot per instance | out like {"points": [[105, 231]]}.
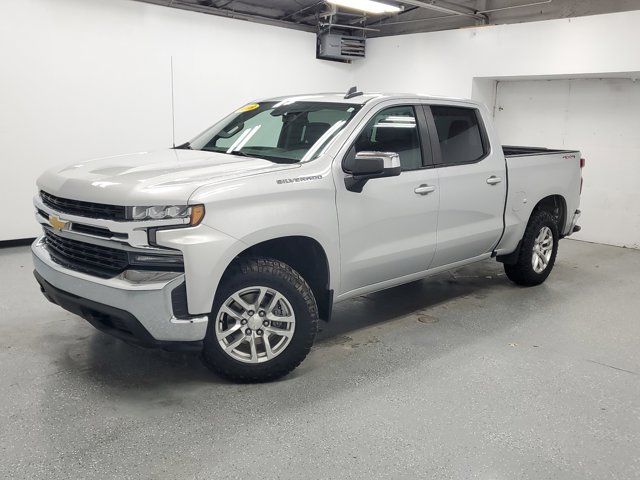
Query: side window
{"points": [[393, 129], [459, 134]]}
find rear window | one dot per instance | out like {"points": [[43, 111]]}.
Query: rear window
{"points": [[459, 134]]}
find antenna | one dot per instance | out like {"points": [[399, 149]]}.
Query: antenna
{"points": [[353, 92], [173, 115]]}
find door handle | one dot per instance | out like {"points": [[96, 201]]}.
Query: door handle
{"points": [[425, 189], [493, 180]]}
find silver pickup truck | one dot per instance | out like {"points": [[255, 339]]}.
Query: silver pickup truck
{"points": [[237, 242]]}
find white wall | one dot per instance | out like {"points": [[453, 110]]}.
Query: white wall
{"points": [[602, 121], [87, 78], [601, 118], [446, 63]]}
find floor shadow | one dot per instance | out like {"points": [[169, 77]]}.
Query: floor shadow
{"points": [[106, 360], [416, 297]]}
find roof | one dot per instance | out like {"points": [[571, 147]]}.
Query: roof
{"points": [[338, 97], [334, 97]]}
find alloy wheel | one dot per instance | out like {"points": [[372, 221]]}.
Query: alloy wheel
{"points": [[255, 324], [542, 250]]}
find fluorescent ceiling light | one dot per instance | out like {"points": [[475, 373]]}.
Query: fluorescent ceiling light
{"points": [[370, 6]]}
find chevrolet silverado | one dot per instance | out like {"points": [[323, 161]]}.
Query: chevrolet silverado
{"points": [[238, 242]]}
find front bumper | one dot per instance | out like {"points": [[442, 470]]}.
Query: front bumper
{"points": [[134, 306]]}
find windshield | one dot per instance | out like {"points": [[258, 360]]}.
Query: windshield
{"points": [[287, 131]]}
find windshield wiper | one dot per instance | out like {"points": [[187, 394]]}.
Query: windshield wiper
{"points": [[240, 154], [263, 157], [184, 146]]}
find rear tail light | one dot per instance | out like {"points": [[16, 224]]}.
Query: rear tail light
{"points": [[582, 163]]}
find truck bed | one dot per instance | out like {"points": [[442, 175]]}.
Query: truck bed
{"points": [[533, 174], [518, 151]]}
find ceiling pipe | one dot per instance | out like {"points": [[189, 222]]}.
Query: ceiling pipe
{"points": [[297, 12], [445, 7], [351, 27], [417, 20], [445, 17], [221, 12], [511, 7]]}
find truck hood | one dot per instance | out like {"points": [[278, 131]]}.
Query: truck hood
{"points": [[150, 178]]}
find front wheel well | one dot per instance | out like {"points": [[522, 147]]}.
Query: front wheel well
{"points": [[307, 257]]}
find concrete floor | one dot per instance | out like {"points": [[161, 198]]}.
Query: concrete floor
{"points": [[460, 376]]}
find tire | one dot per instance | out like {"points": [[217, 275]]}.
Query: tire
{"points": [[281, 319], [525, 272]]}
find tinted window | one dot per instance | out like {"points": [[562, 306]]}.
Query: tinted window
{"points": [[393, 130], [459, 134]]}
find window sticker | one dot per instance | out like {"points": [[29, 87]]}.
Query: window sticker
{"points": [[248, 108]]}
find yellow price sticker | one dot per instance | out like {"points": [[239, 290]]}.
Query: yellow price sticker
{"points": [[248, 108]]}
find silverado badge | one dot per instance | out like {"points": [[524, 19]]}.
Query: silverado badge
{"points": [[56, 223]]}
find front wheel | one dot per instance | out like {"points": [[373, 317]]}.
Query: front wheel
{"points": [[537, 251], [263, 321]]}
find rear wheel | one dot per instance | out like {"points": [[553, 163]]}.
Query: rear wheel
{"points": [[263, 322], [537, 252]]}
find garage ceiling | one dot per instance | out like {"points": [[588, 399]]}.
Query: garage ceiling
{"points": [[417, 15]]}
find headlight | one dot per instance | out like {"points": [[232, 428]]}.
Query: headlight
{"points": [[194, 213]]}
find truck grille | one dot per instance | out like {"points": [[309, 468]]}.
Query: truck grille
{"points": [[84, 257], [84, 209]]}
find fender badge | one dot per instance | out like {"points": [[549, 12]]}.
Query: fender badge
{"points": [[56, 223], [298, 179]]}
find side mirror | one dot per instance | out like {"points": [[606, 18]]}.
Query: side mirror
{"points": [[364, 166]]}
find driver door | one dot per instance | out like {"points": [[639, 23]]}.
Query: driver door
{"points": [[388, 230]]}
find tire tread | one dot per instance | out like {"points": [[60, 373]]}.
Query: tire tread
{"points": [[241, 373], [522, 273]]}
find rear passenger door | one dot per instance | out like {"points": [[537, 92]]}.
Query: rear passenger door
{"points": [[472, 177], [388, 230]]}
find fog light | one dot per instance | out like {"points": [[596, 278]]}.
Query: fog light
{"points": [[147, 260]]}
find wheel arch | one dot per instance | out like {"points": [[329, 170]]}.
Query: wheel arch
{"points": [[305, 255], [556, 205]]}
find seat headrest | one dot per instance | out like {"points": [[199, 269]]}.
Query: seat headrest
{"points": [[314, 130], [395, 136], [457, 127]]}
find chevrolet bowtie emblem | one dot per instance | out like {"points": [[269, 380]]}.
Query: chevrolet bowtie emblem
{"points": [[56, 223]]}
